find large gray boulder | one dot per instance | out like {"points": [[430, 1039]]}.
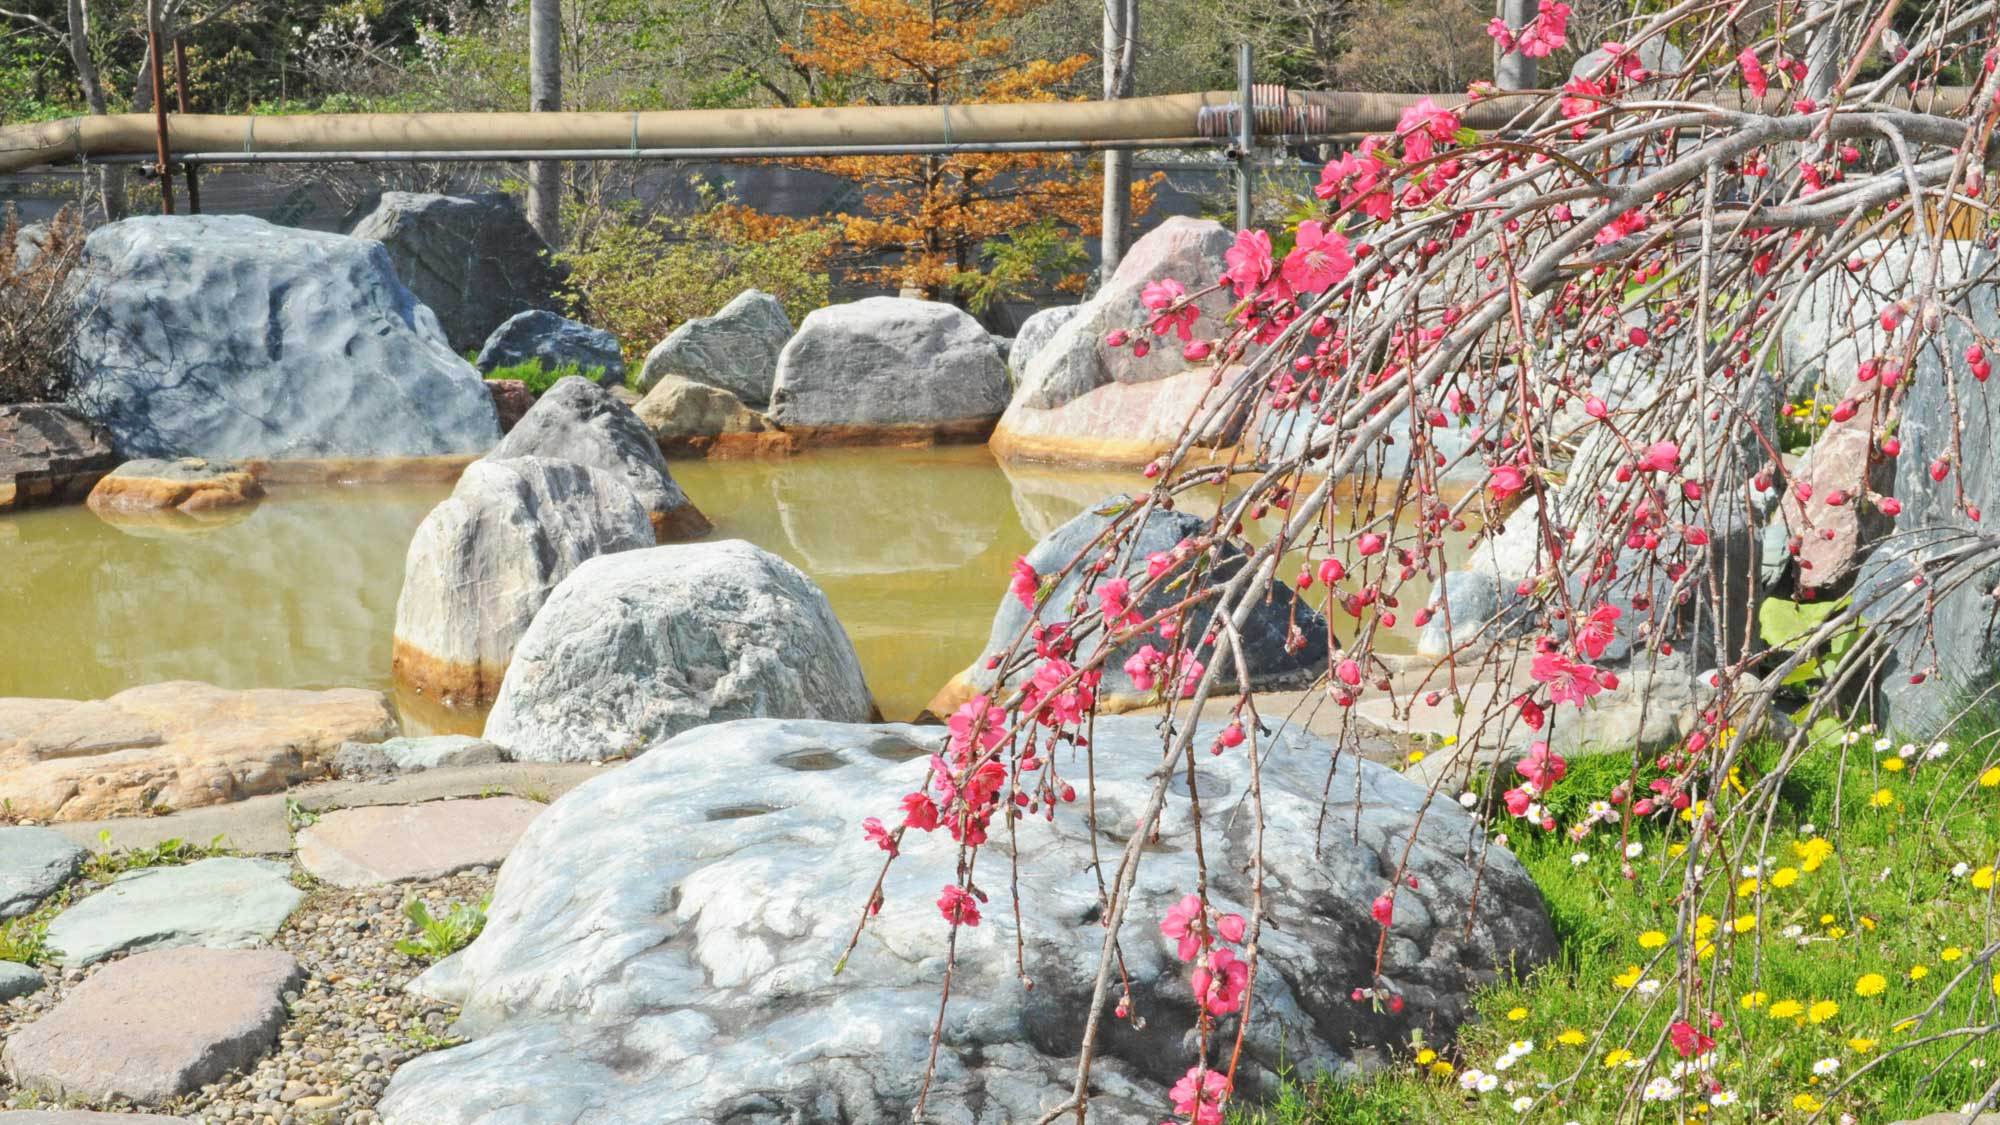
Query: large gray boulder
{"points": [[736, 350], [486, 559], [473, 259], [50, 454], [890, 364], [1075, 359], [540, 336], [633, 648], [1036, 332], [224, 336], [667, 942], [577, 420], [1265, 634]]}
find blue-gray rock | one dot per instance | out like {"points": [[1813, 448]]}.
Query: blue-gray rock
{"points": [[413, 755], [472, 258], [486, 558], [736, 350], [28, 243], [34, 864], [222, 903], [890, 363], [577, 420], [18, 980], [634, 648], [1264, 635], [1036, 332], [663, 942], [541, 336], [224, 336]]}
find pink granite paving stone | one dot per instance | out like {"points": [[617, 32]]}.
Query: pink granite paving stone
{"points": [[382, 844]]}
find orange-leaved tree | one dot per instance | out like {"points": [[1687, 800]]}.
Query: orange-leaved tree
{"points": [[946, 217]]}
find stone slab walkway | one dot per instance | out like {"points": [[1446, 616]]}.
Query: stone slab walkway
{"points": [[157, 1025], [383, 844], [34, 864], [223, 903]]}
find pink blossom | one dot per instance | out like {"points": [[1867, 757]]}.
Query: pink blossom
{"points": [[1599, 630], [1319, 260], [1624, 226], [1219, 984], [1113, 597], [1541, 768], [1501, 33], [1569, 681], [1596, 408], [1231, 927], [1166, 298], [1625, 61], [872, 828], [1424, 125], [1199, 1095], [1370, 543], [1025, 584], [1331, 571], [1349, 671], [1179, 926], [1548, 33], [1754, 77], [1383, 909], [1505, 481], [1141, 667], [919, 813], [958, 906], [1518, 800], [977, 712], [1250, 263], [1687, 1040], [1191, 670], [1051, 706], [1661, 457]]}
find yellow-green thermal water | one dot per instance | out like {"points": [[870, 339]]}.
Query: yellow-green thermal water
{"points": [[912, 546]]}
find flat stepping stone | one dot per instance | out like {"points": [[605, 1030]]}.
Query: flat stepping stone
{"points": [[157, 1025], [413, 755], [85, 1117], [380, 844], [34, 864], [223, 903], [17, 980]]}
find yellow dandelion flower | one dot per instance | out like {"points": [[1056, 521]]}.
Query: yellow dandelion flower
{"points": [[1870, 984], [1806, 1103], [1703, 950], [1744, 923], [1868, 922], [1812, 853], [1893, 765], [1996, 984], [1983, 878], [1652, 939], [1416, 756], [1990, 778], [1628, 978], [1882, 799], [1822, 1011], [1441, 1069], [1517, 1014], [1704, 925], [1674, 850], [1751, 1001], [1951, 953], [1786, 1009], [1426, 1057], [1784, 877], [1571, 1037], [1617, 1057], [1826, 919], [1860, 1046], [1699, 808], [1747, 888], [1919, 972]]}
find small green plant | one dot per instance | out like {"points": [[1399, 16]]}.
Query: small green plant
{"points": [[539, 378], [298, 816], [441, 935], [111, 862], [25, 940]]}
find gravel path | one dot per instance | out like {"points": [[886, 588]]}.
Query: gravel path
{"points": [[351, 1027]]}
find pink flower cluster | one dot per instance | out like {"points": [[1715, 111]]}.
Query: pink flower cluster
{"points": [[1546, 34], [1220, 976]]}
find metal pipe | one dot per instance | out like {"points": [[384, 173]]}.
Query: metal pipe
{"points": [[751, 152], [1246, 133], [159, 106], [181, 90]]}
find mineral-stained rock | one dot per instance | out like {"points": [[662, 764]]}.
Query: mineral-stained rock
{"points": [[553, 341], [1264, 634], [483, 562], [690, 418], [188, 485], [577, 420], [1840, 522], [49, 454], [889, 368], [223, 903], [224, 336], [473, 259], [663, 943], [736, 350], [1112, 425], [34, 864], [174, 745], [634, 648], [156, 1026]]}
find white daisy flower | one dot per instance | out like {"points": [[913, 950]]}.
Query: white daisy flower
{"points": [[1722, 1098], [1634, 850], [1468, 799], [1827, 1067], [1578, 859], [1522, 1103], [1488, 1083], [1660, 1089], [1468, 1079]]}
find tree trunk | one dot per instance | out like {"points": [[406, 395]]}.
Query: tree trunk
{"points": [[110, 177], [545, 96], [1121, 29]]}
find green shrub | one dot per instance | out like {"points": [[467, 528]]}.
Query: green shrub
{"points": [[540, 378], [640, 278]]}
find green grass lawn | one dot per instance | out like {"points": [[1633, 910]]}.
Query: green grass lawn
{"points": [[1845, 956]]}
